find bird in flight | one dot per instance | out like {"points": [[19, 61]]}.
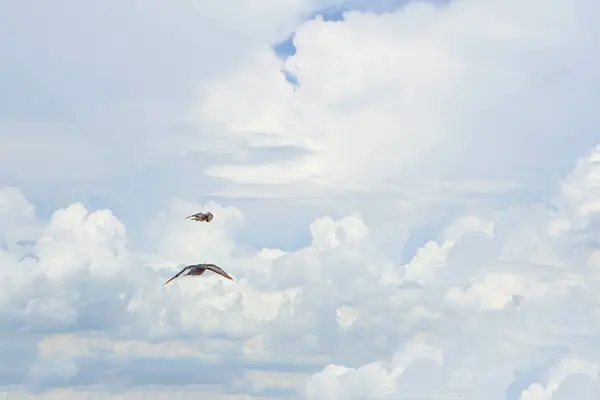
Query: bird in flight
{"points": [[201, 217], [198, 269]]}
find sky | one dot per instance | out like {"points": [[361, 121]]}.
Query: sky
{"points": [[406, 194]]}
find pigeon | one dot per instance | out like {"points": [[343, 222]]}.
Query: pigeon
{"points": [[201, 217], [198, 269]]}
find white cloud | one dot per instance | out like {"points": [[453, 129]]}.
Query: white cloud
{"points": [[17, 218], [558, 374], [396, 282], [372, 380], [81, 94], [410, 95], [90, 305]]}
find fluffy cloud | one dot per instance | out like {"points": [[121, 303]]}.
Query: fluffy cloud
{"points": [[430, 85], [557, 375], [334, 319], [374, 250], [371, 380]]}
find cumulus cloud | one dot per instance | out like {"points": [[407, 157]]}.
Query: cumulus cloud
{"points": [[407, 271], [371, 380], [565, 368], [326, 317], [430, 85]]}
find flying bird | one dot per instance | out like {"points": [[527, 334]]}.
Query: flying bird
{"points": [[198, 269], [201, 217]]}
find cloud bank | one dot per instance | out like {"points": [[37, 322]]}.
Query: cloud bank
{"points": [[416, 218]]}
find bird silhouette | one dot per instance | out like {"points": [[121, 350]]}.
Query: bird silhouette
{"points": [[199, 269], [201, 217]]}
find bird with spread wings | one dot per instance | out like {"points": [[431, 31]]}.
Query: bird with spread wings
{"points": [[201, 217], [199, 269]]}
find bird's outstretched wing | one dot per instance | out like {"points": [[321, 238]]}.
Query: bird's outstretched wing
{"points": [[194, 215], [179, 273], [217, 270]]}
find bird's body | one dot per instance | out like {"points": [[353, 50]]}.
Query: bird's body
{"points": [[201, 217], [199, 269]]}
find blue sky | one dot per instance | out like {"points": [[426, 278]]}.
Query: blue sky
{"points": [[404, 192]]}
